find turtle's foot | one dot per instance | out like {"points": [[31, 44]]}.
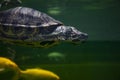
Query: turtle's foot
{"points": [[11, 52]]}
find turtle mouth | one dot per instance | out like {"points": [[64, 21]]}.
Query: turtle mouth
{"points": [[82, 38]]}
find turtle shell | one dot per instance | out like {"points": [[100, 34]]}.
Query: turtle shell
{"points": [[19, 25]]}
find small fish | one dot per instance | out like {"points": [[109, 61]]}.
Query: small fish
{"points": [[38, 74]]}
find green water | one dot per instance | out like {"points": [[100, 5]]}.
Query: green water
{"points": [[97, 59], [89, 71], [93, 60]]}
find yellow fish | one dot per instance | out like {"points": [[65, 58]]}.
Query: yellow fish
{"points": [[38, 74], [10, 71]]}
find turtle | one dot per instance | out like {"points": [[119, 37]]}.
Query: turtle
{"points": [[29, 27]]}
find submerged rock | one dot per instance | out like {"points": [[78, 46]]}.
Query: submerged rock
{"points": [[56, 56]]}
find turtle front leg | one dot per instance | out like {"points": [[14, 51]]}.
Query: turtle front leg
{"points": [[7, 51], [11, 52]]}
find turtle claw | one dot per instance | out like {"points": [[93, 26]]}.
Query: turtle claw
{"points": [[12, 53]]}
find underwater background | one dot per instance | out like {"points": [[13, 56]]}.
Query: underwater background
{"points": [[96, 59]]}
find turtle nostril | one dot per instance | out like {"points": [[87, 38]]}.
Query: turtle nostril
{"points": [[84, 36]]}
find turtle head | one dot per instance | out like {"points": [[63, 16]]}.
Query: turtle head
{"points": [[71, 34], [74, 35]]}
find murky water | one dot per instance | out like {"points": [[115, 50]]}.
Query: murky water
{"points": [[96, 59]]}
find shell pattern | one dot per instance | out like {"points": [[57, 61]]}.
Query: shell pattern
{"points": [[21, 24]]}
